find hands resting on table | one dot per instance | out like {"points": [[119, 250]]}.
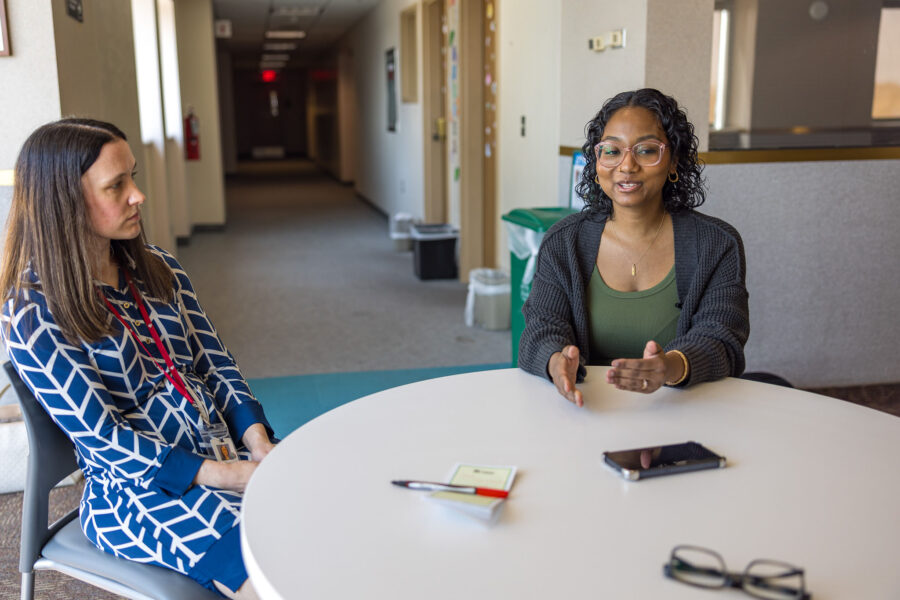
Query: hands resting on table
{"points": [[645, 375], [235, 476]]}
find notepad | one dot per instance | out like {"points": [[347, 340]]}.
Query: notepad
{"points": [[489, 476]]}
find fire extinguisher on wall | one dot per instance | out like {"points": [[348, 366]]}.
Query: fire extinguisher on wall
{"points": [[191, 135]]}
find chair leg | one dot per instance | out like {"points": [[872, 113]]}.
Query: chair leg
{"points": [[28, 586]]}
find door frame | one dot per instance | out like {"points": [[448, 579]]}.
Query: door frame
{"points": [[433, 107]]}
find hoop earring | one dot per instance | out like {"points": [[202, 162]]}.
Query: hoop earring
{"points": [[597, 178], [669, 177]]}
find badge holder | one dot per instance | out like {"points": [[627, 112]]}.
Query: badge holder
{"points": [[215, 438]]}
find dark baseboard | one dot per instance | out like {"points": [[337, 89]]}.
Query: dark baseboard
{"points": [[884, 397]]}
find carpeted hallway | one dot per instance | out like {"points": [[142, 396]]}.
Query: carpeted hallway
{"points": [[304, 279]]}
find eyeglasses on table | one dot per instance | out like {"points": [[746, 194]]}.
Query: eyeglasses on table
{"points": [[763, 578]]}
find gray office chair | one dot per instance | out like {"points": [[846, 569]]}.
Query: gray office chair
{"points": [[62, 546]]}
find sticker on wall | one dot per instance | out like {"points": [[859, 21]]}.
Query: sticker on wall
{"points": [[75, 9], [456, 174], [487, 150], [489, 10]]}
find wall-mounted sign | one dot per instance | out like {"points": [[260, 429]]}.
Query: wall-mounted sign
{"points": [[390, 65], [4, 30], [223, 28], [75, 9]]}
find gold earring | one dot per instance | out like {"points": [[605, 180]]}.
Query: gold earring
{"points": [[597, 178], [669, 177]]}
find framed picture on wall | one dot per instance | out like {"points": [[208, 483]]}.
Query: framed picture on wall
{"points": [[390, 65], [4, 30]]}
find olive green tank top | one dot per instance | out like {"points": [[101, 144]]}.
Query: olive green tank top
{"points": [[623, 322]]}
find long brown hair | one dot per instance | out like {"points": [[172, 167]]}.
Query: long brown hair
{"points": [[48, 230]]}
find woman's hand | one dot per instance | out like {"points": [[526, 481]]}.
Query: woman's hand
{"points": [[227, 476], [256, 440], [563, 370], [646, 374]]}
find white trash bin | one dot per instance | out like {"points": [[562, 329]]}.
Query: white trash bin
{"points": [[400, 231], [487, 305]]}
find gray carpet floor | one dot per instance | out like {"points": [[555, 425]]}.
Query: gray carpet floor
{"points": [[304, 279]]}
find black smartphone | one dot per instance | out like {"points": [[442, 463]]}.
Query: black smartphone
{"points": [[641, 463]]}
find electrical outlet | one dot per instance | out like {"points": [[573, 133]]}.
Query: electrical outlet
{"points": [[597, 44], [617, 39]]}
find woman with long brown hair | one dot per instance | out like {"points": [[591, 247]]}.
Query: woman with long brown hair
{"points": [[107, 332]]}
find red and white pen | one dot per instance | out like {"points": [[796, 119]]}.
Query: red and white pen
{"points": [[447, 487]]}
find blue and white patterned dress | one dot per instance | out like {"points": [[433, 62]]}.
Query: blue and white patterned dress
{"points": [[136, 437]]}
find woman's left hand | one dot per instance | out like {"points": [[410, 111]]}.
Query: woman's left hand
{"points": [[646, 374], [257, 441]]}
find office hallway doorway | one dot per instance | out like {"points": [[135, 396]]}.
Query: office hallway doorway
{"points": [[304, 279]]}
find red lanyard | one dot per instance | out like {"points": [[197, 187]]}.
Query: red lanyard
{"points": [[175, 377]]}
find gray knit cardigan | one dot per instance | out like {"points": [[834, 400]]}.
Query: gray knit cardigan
{"points": [[709, 274]]}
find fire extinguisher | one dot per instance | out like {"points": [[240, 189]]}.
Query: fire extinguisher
{"points": [[191, 135]]}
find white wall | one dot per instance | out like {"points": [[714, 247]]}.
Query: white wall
{"points": [[157, 220], [176, 185], [590, 78], [199, 89], [29, 92], [32, 101], [389, 165], [686, 25], [528, 67]]}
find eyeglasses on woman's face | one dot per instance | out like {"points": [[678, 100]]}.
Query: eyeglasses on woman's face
{"points": [[611, 154], [769, 579]]}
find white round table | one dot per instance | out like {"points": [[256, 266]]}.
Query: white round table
{"points": [[810, 480]]}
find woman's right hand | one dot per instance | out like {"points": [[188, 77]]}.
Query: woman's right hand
{"points": [[563, 370], [227, 476]]}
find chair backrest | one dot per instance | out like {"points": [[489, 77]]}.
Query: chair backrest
{"points": [[51, 457]]}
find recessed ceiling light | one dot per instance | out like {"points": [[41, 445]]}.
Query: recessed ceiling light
{"points": [[279, 47], [295, 11], [271, 57], [285, 35]]}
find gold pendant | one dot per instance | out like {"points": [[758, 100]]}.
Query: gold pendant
{"points": [[633, 269]]}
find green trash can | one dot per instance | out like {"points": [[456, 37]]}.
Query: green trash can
{"points": [[525, 228]]}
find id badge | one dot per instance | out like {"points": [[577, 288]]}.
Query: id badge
{"points": [[217, 442]]}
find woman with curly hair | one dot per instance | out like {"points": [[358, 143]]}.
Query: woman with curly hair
{"points": [[638, 280]]}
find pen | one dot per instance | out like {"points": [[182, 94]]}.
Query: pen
{"points": [[447, 487]]}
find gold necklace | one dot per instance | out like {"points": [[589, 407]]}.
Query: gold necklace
{"points": [[641, 257]]}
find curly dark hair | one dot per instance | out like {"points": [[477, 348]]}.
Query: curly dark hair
{"points": [[690, 190]]}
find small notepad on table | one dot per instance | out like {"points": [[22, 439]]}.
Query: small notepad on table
{"points": [[487, 476]]}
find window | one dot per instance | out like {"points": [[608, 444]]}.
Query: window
{"points": [[886, 99], [719, 71]]}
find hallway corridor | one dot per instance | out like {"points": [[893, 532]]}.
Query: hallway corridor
{"points": [[304, 279]]}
